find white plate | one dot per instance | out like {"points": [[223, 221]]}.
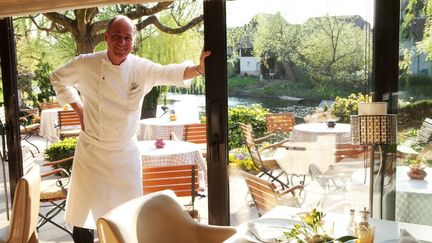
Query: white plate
{"points": [[268, 229]]}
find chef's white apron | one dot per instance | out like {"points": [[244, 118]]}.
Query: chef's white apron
{"points": [[102, 178]]}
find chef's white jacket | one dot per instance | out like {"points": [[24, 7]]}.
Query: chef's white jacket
{"points": [[107, 166]]}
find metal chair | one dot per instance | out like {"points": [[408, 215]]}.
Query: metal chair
{"points": [[53, 193]]}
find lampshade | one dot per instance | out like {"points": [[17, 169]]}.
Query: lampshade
{"points": [[373, 129]]}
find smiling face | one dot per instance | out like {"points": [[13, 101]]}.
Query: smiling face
{"points": [[119, 37]]}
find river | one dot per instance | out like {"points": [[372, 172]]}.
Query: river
{"points": [[189, 106]]}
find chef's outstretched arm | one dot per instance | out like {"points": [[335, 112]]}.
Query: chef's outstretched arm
{"points": [[79, 109], [194, 71]]}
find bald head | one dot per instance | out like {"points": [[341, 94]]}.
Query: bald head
{"points": [[121, 18], [119, 35]]}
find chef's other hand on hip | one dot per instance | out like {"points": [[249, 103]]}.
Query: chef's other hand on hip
{"points": [[79, 108]]}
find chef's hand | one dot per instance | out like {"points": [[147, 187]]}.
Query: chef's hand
{"points": [[79, 109]]}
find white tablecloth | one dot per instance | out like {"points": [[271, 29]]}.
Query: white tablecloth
{"points": [[154, 128], [174, 153], [281, 218], [309, 132], [48, 123], [413, 198], [301, 155]]}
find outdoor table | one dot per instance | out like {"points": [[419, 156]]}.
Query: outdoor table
{"points": [[48, 123], [413, 198], [174, 153], [300, 155], [281, 219], [309, 132], [154, 128]]}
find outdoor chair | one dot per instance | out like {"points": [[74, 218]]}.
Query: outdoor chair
{"points": [[156, 218], [282, 122], [349, 151], [266, 196], [29, 126], [69, 124], [329, 180], [22, 226], [424, 135], [182, 179], [266, 164], [197, 133], [49, 105], [53, 192]]}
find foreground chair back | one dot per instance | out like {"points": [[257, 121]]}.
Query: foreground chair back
{"points": [[22, 227], [156, 218], [182, 179]]}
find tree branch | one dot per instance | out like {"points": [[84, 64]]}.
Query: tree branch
{"points": [[142, 10], [60, 20], [153, 20]]}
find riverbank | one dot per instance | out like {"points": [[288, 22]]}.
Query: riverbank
{"points": [[301, 91]]}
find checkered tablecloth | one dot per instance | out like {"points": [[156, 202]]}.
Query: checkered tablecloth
{"points": [[413, 198], [174, 153], [309, 132], [154, 128]]}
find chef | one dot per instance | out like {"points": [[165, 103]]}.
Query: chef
{"points": [[112, 84]]}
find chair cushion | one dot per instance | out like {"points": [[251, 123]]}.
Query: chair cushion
{"points": [[74, 132], [51, 191], [29, 128]]}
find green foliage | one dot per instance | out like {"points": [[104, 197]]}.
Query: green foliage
{"points": [[407, 80], [242, 159], [418, 110], [344, 107], [311, 229], [61, 150], [253, 115], [42, 74]]}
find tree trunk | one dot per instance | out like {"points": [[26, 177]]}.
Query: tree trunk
{"points": [[149, 106], [84, 45], [289, 72]]}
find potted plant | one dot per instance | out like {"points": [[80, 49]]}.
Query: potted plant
{"points": [[416, 171]]}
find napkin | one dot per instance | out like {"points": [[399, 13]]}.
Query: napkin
{"points": [[406, 237], [263, 233]]}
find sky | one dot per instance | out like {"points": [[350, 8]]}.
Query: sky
{"points": [[240, 12]]}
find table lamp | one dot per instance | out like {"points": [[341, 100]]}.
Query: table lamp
{"points": [[373, 130]]}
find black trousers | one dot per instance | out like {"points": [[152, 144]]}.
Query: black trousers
{"points": [[83, 235]]}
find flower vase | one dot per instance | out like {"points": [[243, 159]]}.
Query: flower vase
{"points": [[416, 173]]}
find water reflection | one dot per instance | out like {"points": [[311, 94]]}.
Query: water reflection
{"points": [[190, 105]]}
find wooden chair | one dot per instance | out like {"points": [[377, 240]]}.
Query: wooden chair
{"points": [[182, 179], [22, 227], [267, 166], [347, 150], [424, 135], [68, 121], [49, 105], [282, 122], [265, 194], [197, 133]]}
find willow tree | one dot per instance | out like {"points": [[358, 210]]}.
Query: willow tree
{"points": [[87, 26]]}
